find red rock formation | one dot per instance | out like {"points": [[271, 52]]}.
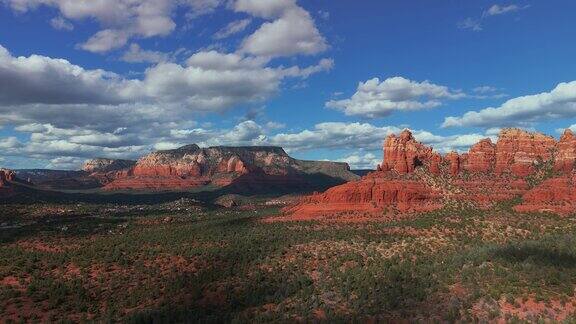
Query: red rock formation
{"points": [[481, 157], [565, 152], [435, 163], [6, 176], [493, 173], [517, 151], [454, 161], [557, 195], [371, 194], [403, 153], [191, 166]]}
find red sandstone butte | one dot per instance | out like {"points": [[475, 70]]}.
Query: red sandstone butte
{"points": [[403, 153], [412, 177]]}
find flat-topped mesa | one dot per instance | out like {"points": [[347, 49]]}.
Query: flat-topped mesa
{"points": [[6, 176], [565, 154], [403, 153], [518, 151], [106, 165], [193, 161], [253, 166]]}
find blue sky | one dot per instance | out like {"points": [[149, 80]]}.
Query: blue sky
{"points": [[323, 79]]}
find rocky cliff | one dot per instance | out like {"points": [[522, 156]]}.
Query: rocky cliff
{"points": [[255, 167], [412, 177]]}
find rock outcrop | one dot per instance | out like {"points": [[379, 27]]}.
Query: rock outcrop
{"points": [[412, 177], [403, 153], [370, 195], [556, 195], [565, 154], [481, 157], [6, 176], [518, 151], [239, 167]]}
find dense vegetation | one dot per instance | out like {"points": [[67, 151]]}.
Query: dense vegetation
{"points": [[177, 262]]}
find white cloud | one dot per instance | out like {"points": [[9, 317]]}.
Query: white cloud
{"points": [[211, 81], [556, 104], [485, 89], [60, 23], [360, 161], [9, 143], [40, 79], [292, 30], [376, 99], [496, 10], [65, 163], [135, 54], [120, 20], [487, 92], [264, 8], [69, 111], [232, 28], [365, 136]]}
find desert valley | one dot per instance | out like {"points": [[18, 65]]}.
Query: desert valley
{"points": [[249, 233], [287, 161]]}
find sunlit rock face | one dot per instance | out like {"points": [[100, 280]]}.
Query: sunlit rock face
{"points": [[412, 177], [253, 167]]}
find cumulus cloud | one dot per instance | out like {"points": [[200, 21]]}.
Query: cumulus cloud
{"points": [[358, 161], [210, 81], [556, 104], [65, 163], [233, 28], [365, 136], [291, 30], [67, 110], [135, 54], [377, 99], [121, 20], [9, 143], [40, 79]]}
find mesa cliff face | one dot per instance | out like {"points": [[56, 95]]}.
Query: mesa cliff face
{"points": [[246, 167], [412, 177]]}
